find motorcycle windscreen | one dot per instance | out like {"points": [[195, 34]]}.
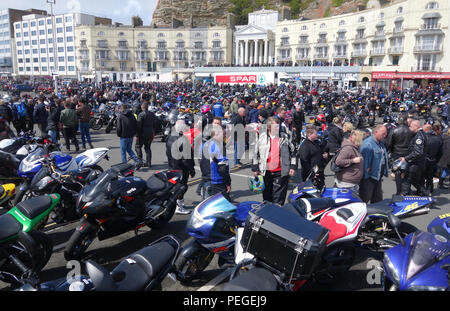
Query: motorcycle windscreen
{"points": [[98, 187], [426, 250]]}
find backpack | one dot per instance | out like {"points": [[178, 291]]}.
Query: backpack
{"points": [[21, 110], [333, 166]]}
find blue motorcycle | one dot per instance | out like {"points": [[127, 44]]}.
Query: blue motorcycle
{"points": [[212, 227], [422, 261]]}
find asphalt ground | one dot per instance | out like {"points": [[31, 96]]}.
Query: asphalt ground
{"points": [[364, 274]]}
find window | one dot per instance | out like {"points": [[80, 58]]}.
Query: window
{"points": [[50, 50], [216, 35], [71, 68], [179, 35], [17, 26], [42, 41], [44, 68], [285, 29], [61, 49], [83, 33], [342, 23], [49, 31], [198, 35], [70, 58], [41, 22], [25, 25], [180, 44], [34, 33], [68, 19], [27, 60], [323, 25], [69, 29], [19, 52], [42, 32], [43, 59], [361, 19], [160, 35], [18, 35], [61, 59], [26, 42], [141, 35], [432, 5], [33, 24], [19, 43], [70, 49], [20, 68], [59, 20], [381, 15], [395, 60], [61, 68], [36, 60], [20, 60], [304, 27], [400, 10], [60, 39], [59, 30], [36, 68], [35, 51], [50, 40], [69, 39], [161, 45], [43, 50], [101, 34], [216, 44], [25, 34]]}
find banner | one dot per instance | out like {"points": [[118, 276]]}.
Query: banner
{"points": [[409, 75]]}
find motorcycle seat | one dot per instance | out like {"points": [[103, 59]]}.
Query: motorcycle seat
{"points": [[381, 207], [397, 198], [155, 184], [122, 168], [9, 226], [136, 271], [257, 279], [35, 206]]}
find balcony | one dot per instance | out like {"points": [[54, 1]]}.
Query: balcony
{"points": [[161, 59], [395, 50], [377, 52], [340, 55], [432, 48], [84, 57], [359, 53], [320, 56], [321, 41], [430, 26], [284, 58], [301, 57], [397, 30]]}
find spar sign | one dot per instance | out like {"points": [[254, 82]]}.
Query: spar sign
{"points": [[245, 78]]}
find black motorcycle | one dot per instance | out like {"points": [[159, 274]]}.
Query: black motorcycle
{"points": [[112, 122], [97, 122], [111, 206], [143, 270]]}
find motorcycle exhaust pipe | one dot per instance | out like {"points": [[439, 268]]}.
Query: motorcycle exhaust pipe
{"points": [[421, 211]]}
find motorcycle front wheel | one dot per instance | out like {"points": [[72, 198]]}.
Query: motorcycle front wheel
{"points": [[96, 124], [80, 241], [191, 266]]}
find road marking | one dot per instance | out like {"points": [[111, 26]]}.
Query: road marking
{"points": [[216, 281]]}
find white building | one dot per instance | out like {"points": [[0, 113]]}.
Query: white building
{"points": [[45, 45], [255, 43]]}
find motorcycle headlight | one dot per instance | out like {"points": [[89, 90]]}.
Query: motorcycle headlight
{"points": [[197, 220], [391, 269]]}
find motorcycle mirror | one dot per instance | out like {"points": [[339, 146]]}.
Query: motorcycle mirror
{"points": [[396, 222]]}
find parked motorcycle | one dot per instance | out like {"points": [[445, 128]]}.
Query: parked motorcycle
{"points": [[6, 194], [143, 270], [24, 250], [212, 227], [112, 205], [422, 261]]}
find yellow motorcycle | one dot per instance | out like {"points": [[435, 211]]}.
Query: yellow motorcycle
{"points": [[7, 191]]}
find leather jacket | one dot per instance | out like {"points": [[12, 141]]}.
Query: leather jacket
{"points": [[416, 149], [398, 140]]}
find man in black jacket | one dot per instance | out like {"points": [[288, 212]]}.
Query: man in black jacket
{"points": [[299, 119], [40, 116], [126, 130], [416, 160], [433, 152], [145, 132], [311, 153], [397, 143], [180, 156], [238, 122]]}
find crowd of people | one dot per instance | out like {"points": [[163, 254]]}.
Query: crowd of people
{"points": [[360, 159]]}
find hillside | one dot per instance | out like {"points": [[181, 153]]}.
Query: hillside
{"points": [[217, 12]]}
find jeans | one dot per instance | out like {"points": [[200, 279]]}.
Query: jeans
{"points": [[85, 135], [53, 135], [126, 145]]}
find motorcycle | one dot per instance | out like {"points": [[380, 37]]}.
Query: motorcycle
{"points": [[111, 205], [111, 122], [344, 225], [212, 228], [422, 261], [6, 194], [64, 163], [27, 143], [99, 120], [371, 118], [24, 250], [143, 270]]}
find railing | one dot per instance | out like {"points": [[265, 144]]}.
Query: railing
{"points": [[320, 56], [430, 26], [428, 48], [301, 57], [339, 55], [397, 30], [377, 51], [359, 53], [395, 50]]}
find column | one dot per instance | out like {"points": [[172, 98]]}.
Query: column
{"points": [[237, 53], [256, 60], [241, 55], [266, 51], [260, 60], [246, 53]]}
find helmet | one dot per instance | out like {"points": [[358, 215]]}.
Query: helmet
{"points": [[7, 98], [321, 118], [168, 105], [256, 184], [387, 119], [205, 109], [399, 165]]}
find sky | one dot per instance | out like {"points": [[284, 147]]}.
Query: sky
{"points": [[118, 10]]}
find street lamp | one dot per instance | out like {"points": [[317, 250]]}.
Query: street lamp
{"points": [[55, 56]]}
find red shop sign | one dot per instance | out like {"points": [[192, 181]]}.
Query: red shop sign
{"points": [[236, 79]]}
